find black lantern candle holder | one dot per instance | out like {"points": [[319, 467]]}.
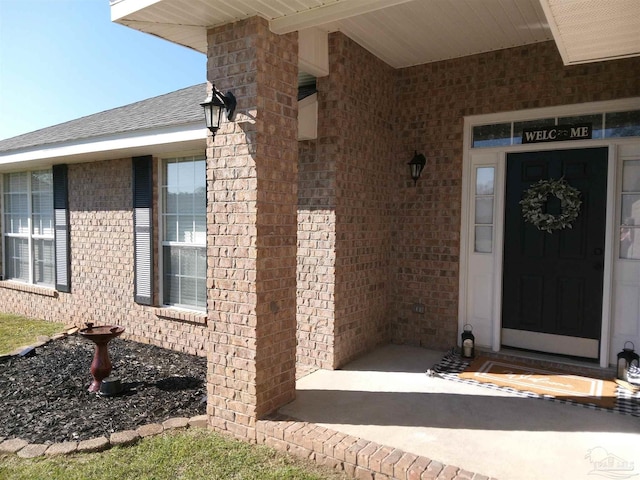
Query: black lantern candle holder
{"points": [[626, 358], [468, 342]]}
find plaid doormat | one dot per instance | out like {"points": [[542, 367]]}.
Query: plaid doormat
{"points": [[452, 364]]}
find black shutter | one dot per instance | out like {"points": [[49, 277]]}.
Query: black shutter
{"points": [[61, 228], [142, 229]]}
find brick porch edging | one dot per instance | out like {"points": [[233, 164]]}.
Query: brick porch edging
{"points": [[358, 458], [361, 459], [25, 449]]}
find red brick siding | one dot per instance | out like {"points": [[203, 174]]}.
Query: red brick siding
{"points": [[101, 219], [316, 258], [252, 224], [434, 99], [355, 131]]}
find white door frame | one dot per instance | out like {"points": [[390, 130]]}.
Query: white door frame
{"points": [[493, 339]]}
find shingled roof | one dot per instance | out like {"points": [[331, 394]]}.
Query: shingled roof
{"points": [[172, 109]]}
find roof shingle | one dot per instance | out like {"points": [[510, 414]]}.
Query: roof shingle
{"points": [[171, 109]]}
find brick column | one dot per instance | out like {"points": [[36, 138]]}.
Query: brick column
{"points": [[252, 226]]}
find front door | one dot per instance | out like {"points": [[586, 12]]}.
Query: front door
{"points": [[552, 282]]}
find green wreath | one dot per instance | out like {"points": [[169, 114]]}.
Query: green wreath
{"points": [[536, 196]]}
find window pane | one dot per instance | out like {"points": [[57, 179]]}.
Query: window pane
{"points": [[622, 124], [187, 262], [484, 181], [17, 259], [519, 126], [188, 291], [630, 214], [16, 182], [201, 289], [170, 228], [185, 229], [184, 201], [16, 207], [200, 201], [185, 276], [630, 243], [483, 239], [484, 210], [42, 213], [631, 176], [44, 262], [491, 135], [594, 120], [17, 223], [186, 175]]}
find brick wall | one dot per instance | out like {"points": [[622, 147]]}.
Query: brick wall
{"points": [[358, 112], [316, 257], [101, 219], [434, 98], [344, 211], [252, 224]]}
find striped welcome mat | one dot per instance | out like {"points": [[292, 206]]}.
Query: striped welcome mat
{"points": [[527, 381], [561, 385]]}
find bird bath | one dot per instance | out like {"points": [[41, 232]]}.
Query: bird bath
{"points": [[101, 364]]}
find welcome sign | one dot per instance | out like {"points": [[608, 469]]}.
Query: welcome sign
{"points": [[557, 133]]}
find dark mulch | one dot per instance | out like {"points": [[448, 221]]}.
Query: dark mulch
{"points": [[44, 397]]}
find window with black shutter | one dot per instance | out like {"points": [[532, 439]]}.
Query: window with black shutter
{"points": [[143, 231], [61, 228]]}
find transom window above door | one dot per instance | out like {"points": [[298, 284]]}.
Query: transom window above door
{"points": [[603, 125]]}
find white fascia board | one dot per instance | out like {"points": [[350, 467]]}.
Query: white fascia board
{"points": [[122, 8], [329, 13], [108, 147]]}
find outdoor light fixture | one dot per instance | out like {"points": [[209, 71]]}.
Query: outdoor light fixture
{"points": [[416, 165], [626, 358], [468, 342], [213, 106]]}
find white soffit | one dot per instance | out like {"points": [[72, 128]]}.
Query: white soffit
{"points": [[400, 32], [594, 30]]}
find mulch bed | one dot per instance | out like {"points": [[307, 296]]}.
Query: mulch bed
{"points": [[44, 397]]}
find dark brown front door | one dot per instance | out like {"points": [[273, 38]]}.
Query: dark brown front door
{"points": [[552, 282]]}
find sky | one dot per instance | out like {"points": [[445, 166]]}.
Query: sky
{"points": [[64, 59]]}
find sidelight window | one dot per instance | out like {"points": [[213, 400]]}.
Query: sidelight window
{"points": [[630, 211], [483, 215]]}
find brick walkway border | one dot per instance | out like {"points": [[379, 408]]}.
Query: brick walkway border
{"points": [[25, 449], [361, 459], [358, 458]]}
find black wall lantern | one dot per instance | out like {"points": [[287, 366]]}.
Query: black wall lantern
{"points": [[626, 358], [213, 106], [416, 165], [468, 342]]}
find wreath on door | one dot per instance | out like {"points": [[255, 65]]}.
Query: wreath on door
{"points": [[536, 197]]}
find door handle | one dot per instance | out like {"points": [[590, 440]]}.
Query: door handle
{"points": [[597, 251]]}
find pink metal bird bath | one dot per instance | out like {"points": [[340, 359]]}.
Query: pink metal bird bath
{"points": [[101, 364]]}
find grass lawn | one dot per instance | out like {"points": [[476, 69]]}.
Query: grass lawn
{"points": [[190, 454], [16, 331]]}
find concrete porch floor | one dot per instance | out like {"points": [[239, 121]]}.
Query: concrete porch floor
{"points": [[387, 398]]}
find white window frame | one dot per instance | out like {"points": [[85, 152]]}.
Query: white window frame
{"points": [[29, 236], [161, 230]]}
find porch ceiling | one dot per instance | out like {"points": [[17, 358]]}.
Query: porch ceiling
{"points": [[410, 32]]}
